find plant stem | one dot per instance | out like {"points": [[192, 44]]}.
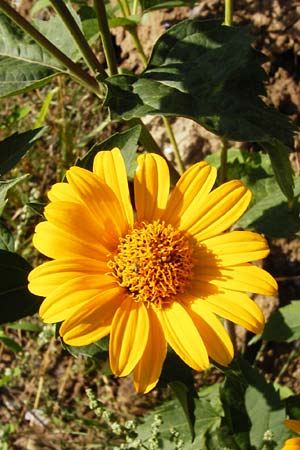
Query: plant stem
{"points": [[87, 53], [177, 156], [126, 7], [121, 6], [138, 45], [105, 35], [228, 13], [135, 6], [75, 70], [224, 154]]}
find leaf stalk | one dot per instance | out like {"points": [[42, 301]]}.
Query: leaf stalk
{"points": [[86, 51]]}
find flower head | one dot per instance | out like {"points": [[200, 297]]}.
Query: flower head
{"points": [[155, 277], [293, 443]]}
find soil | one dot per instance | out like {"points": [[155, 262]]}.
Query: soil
{"points": [[275, 25]]}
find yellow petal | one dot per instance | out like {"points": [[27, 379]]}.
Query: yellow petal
{"points": [[151, 187], [183, 336], [77, 220], [147, 371], [100, 200], [293, 425], [237, 247], [62, 192], [93, 322], [75, 294], [243, 277], [214, 335], [46, 277], [237, 307], [222, 208], [292, 444], [55, 242], [129, 336], [110, 168], [189, 194]]}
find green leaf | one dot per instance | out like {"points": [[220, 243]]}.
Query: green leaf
{"points": [[87, 350], [279, 155], [10, 343], [266, 413], [129, 21], [284, 324], [293, 407], [207, 419], [15, 299], [57, 33], [127, 141], [6, 239], [179, 377], [272, 215], [207, 72], [148, 5], [24, 64], [6, 185], [14, 147]]}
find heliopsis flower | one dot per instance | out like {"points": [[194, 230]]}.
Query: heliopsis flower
{"points": [[293, 443], [157, 275]]}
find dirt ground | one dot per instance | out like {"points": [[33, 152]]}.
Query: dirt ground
{"points": [[275, 25]]}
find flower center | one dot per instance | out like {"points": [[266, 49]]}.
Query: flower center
{"points": [[154, 262]]}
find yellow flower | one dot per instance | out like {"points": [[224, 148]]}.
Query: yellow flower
{"points": [[159, 277], [293, 443]]}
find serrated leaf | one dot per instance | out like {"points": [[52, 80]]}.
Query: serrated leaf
{"points": [[266, 414], [24, 64], [209, 73], [6, 239], [15, 299], [262, 404], [284, 324], [208, 418], [6, 185], [57, 33], [127, 141], [14, 147]]}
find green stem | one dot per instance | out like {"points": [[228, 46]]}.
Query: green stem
{"points": [[105, 35], [138, 45], [135, 7], [126, 8], [87, 53], [224, 154], [178, 159], [121, 6], [228, 13], [75, 70]]}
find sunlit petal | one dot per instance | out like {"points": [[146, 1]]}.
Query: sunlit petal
{"points": [[110, 168], [88, 325], [222, 208], [129, 336], [213, 333], [151, 187], [189, 194], [237, 247], [243, 277], [148, 369], [48, 276], [183, 336]]}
